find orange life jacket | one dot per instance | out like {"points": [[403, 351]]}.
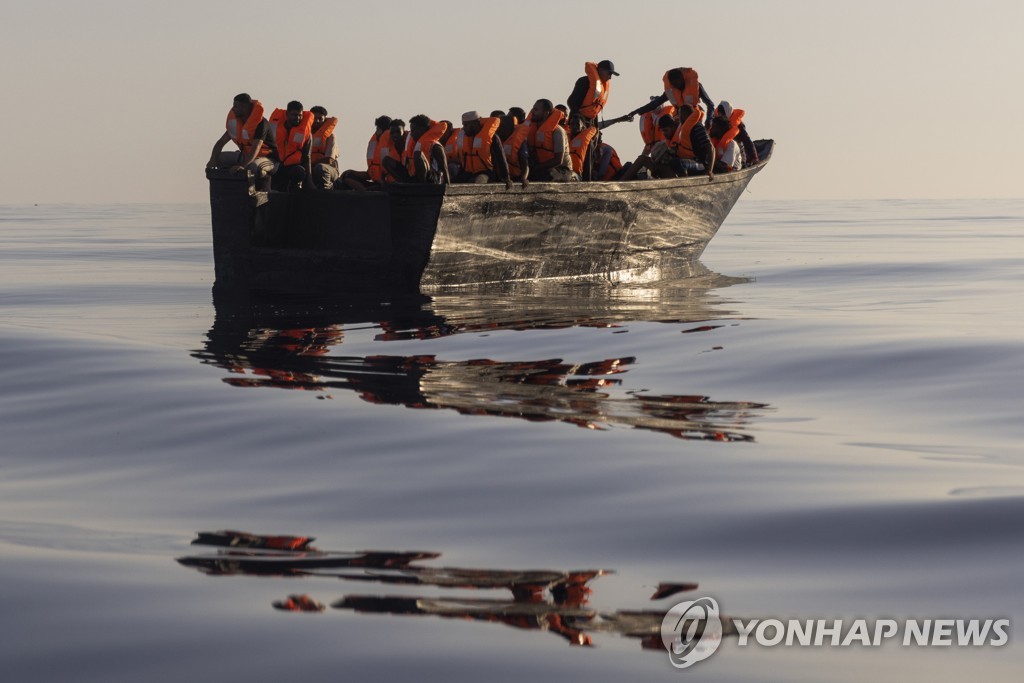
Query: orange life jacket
{"points": [[386, 147], [578, 147], [373, 150], [426, 141], [512, 146], [597, 95], [541, 138], [614, 166], [244, 134], [690, 94], [680, 143], [720, 143], [451, 148], [475, 151], [290, 141], [320, 137], [649, 130]]}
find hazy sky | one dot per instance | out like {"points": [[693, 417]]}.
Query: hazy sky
{"points": [[122, 100]]}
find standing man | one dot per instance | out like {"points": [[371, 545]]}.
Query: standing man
{"points": [[247, 128], [681, 86], [293, 131], [323, 152], [587, 100]]}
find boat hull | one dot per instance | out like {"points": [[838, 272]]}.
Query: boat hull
{"points": [[412, 236]]}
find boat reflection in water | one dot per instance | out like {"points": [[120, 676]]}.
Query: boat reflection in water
{"points": [[286, 344], [545, 600]]}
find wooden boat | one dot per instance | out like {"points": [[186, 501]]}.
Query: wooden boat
{"points": [[412, 236]]}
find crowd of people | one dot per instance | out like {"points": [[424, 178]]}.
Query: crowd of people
{"points": [[296, 148]]}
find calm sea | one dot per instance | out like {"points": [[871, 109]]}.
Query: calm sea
{"points": [[821, 421]]}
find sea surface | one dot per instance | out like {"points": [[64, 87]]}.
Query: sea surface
{"points": [[821, 420]]}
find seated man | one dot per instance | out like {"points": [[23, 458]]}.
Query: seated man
{"points": [[481, 155], [545, 156], [392, 144], [423, 158], [323, 153], [292, 129], [726, 126], [686, 149], [365, 180], [512, 143], [247, 128], [728, 156], [608, 166]]}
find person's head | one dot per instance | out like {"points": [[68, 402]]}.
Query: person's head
{"points": [[294, 113], [418, 125], [675, 77], [497, 113], [605, 70], [723, 110], [242, 105], [719, 127], [541, 111], [397, 129], [564, 109], [448, 133], [575, 124], [382, 123], [319, 115], [471, 123], [684, 112], [667, 125], [518, 113]]}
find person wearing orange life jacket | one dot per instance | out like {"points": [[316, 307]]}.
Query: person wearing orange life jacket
{"points": [[728, 155], [392, 144], [686, 150], [681, 86], [323, 152], [292, 129], [608, 165], [371, 177], [450, 140], [580, 138], [423, 158], [588, 99], [480, 151], [590, 94], [545, 155], [247, 128], [727, 127], [649, 130], [512, 144]]}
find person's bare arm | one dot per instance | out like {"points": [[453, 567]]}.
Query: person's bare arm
{"points": [[218, 147], [330, 152], [524, 164], [256, 147], [438, 156], [500, 162]]}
